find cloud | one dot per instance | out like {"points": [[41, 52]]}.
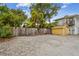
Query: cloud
{"points": [[27, 13], [23, 5], [65, 5]]}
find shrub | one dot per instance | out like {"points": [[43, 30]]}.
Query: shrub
{"points": [[5, 31]]}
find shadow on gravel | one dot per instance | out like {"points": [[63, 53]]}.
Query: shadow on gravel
{"points": [[5, 39]]}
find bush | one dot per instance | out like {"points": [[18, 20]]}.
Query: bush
{"points": [[5, 31]]}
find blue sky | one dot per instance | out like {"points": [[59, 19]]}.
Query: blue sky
{"points": [[66, 9]]}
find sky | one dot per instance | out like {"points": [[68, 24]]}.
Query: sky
{"points": [[66, 9]]}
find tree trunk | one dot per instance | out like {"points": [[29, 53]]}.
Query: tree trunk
{"points": [[49, 20]]}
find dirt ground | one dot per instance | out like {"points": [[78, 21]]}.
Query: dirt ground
{"points": [[42, 45]]}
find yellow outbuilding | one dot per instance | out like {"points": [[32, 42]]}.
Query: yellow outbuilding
{"points": [[60, 30]]}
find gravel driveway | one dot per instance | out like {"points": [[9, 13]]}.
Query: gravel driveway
{"points": [[42, 45]]}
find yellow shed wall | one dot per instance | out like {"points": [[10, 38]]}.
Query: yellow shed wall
{"points": [[60, 30]]}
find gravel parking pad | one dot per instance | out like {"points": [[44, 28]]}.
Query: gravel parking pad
{"points": [[42, 45]]}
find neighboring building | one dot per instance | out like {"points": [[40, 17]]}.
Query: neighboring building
{"points": [[71, 21]]}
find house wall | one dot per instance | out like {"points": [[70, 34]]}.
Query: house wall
{"points": [[72, 29], [76, 25], [75, 28], [61, 22], [77, 21]]}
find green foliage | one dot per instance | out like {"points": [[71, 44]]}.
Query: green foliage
{"points": [[5, 19], [28, 23], [5, 31], [18, 17], [10, 18], [41, 13], [37, 18], [3, 9], [48, 9]]}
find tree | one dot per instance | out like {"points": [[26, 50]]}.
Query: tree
{"points": [[48, 9], [3, 14], [37, 18], [10, 18], [28, 23], [3, 9], [18, 16], [13, 17]]}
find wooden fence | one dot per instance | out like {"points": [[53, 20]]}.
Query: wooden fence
{"points": [[30, 31]]}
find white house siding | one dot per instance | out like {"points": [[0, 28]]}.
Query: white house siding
{"points": [[76, 25], [61, 22], [73, 29]]}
